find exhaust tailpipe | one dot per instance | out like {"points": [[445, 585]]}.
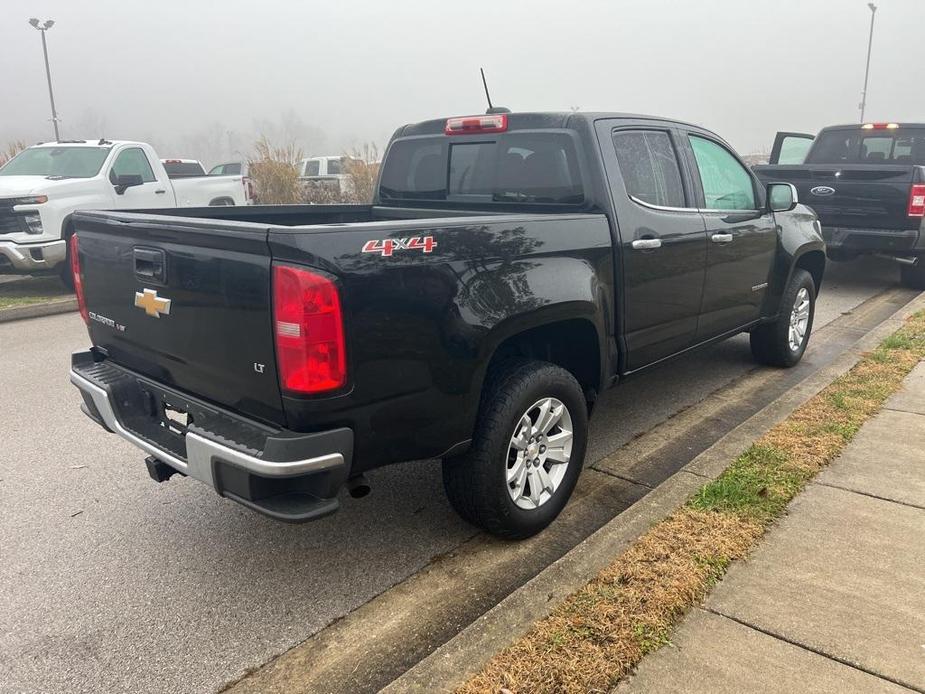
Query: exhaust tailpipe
{"points": [[358, 486], [901, 259]]}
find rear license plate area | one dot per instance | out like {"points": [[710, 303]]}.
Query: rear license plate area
{"points": [[174, 418]]}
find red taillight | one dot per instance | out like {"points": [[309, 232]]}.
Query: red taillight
{"points": [[309, 329], [917, 200], [880, 126], [78, 280], [492, 123]]}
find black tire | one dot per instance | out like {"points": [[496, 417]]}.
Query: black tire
{"points": [[770, 342], [476, 483], [840, 255], [64, 270], [913, 276]]}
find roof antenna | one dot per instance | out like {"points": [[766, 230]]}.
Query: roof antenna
{"points": [[491, 109]]}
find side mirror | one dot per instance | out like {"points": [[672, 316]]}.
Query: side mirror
{"points": [[126, 181], [782, 197]]}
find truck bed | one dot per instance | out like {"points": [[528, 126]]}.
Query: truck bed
{"points": [[414, 318]]}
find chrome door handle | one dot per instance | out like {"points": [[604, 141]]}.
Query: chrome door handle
{"points": [[721, 238], [159, 192], [646, 244]]}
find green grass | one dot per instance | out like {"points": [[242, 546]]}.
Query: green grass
{"points": [[762, 481], [31, 290]]}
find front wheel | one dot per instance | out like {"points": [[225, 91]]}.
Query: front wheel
{"points": [[783, 342], [527, 453]]}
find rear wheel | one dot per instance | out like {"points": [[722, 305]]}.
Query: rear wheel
{"points": [[783, 342], [527, 453], [913, 276]]}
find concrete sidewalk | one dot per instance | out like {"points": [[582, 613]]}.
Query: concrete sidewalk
{"points": [[833, 599]]}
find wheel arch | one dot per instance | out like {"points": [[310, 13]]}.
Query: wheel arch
{"points": [[813, 261], [573, 343]]}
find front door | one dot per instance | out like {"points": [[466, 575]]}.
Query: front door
{"points": [[151, 192], [663, 243], [790, 148], [741, 237]]}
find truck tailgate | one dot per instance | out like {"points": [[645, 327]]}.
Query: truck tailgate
{"points": [[186, 303], [851, 195]]}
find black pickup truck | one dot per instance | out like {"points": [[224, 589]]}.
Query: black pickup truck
{"points": [[510, 268], [867, 184]]}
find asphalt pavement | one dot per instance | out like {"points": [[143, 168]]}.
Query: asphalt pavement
{"points": [[109, 582]]}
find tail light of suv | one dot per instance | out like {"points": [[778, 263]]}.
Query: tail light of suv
{"points": [[308, 322], [78, 280], [917, 200]]}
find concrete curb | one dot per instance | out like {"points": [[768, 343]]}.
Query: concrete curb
{"points": [[48, 308], [464, 655]]}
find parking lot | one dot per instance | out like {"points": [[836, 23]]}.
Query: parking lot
{"points": [[110, 582]]}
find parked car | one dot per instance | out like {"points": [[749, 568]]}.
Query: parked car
{"points": [[42, 187], [177, 168], [511, 267], [867, 184], [329, 170], [237, 168]]}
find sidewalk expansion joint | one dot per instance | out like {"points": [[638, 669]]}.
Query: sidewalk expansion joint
{"points": [[869, 495], [899, 409], [621, 477], [811, 649]]}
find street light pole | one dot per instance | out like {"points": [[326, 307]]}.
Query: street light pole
{"points": [[51, 95], [870, 43]]}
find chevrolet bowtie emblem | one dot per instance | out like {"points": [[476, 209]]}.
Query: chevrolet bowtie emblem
{"points": [[153, 305]]}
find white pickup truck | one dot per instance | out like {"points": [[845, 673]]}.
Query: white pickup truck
{"points": [[42, 186]]}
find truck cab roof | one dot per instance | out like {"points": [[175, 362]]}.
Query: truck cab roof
{"points": [[102, 142], [539, 120]]}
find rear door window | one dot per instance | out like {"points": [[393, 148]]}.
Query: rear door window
{"points": [[649, 166], [727, 185]]}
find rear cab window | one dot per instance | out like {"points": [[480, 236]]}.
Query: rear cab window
{"points": [[183, 168], [536, 167], [869, 146]]}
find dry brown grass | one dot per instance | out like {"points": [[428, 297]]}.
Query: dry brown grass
{"points": [[275, 172], [598, 634], [603, 630], [11, 150], [362, 167]]}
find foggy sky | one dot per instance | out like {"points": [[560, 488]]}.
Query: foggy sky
{"points": [[207, 76]]}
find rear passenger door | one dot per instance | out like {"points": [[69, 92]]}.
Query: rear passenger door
{"points": [[663, 243], [741, 233]]}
